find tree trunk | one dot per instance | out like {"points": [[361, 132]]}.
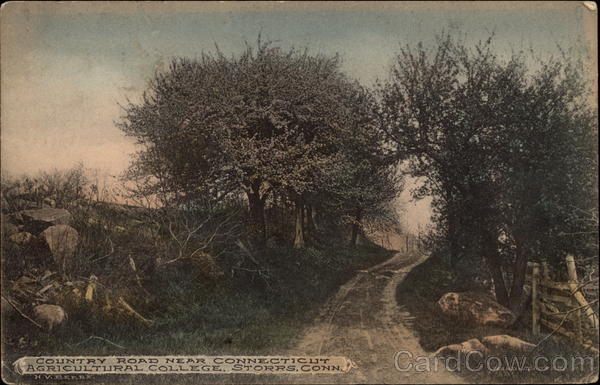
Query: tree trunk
{"points": [[310, 223], [519, 272], [355, 228], [299, 233], [315, 219], [490, 250], [452, 239], [499, 284], [258, 228]]}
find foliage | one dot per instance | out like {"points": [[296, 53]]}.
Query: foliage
{"points": [[507, 152], [267, 121]]}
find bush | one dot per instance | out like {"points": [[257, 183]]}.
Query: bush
{"points": [[55, 188]]}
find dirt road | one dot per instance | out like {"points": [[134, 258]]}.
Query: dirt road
{"points": [[364, 323]]}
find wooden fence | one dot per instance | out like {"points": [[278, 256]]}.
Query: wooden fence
{"points": [[561, 306]]}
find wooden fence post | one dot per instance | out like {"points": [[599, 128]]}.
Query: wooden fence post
{"points": [[571, 268], [573, 282], [543, 290], [576, 293], [578, 324], [535, 306], [546, 271]]}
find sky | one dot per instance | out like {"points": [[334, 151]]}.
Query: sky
{"points": [[67, 67]]}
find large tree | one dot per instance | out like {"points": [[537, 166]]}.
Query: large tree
{"points": [[550, 172], [505, 151], [262, 120]]}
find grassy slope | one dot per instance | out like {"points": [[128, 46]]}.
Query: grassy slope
{"points": [[239, 315]]}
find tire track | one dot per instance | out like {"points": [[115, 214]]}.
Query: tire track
{"points": [[363, 322]]}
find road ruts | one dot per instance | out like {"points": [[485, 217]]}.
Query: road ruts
{"points": [[363, 322]]}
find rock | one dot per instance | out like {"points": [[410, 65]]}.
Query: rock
{"points": [[49, 202], [22, 239], [49, 315], [62, 241], [476, 308], [472, 345], [506, 342], [38, 220]]}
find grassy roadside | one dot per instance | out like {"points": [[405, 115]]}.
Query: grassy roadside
{"points": [[423, 287], [237, 316], [190, 279]]}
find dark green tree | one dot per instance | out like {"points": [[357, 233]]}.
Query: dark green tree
{"points": [[506, 152]]}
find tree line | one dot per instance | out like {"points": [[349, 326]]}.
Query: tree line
{"points": [[506, 147]]}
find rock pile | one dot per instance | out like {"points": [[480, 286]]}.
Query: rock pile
{"points": [[44, 228], [43, 250], [47, 294]]}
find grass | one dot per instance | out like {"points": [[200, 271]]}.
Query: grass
{"points": [[226, 301], [243, 314], [423, 287]]}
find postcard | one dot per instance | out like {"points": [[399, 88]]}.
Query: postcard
{"points": [[299, 192]]}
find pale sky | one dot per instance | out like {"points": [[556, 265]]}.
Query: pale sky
{"points": [[67, 66]]}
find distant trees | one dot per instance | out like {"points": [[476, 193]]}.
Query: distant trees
{"points": [[267, 121], [506, 152], [363, 182]]}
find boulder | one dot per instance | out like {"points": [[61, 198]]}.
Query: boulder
{"points": [[49, 316], [38, 220], [475, 308], [472, 345], [62, 240], [506, 342], [22, 239]]}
